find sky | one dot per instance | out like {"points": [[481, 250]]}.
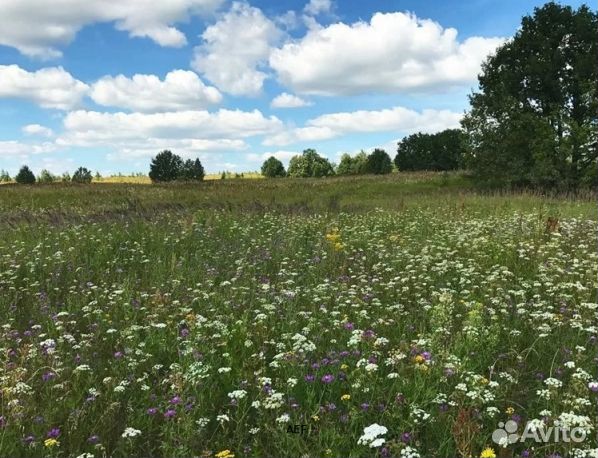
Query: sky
{"points": [[107, 85]]}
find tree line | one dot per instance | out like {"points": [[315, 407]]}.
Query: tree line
{"points": [[25, 176], [532, 121]]}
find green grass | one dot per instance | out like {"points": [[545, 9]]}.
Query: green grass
{"points": [[435, 308]]}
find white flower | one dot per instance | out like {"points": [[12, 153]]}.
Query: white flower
{"points": [[222, 418], [371, 435], [131, 432], [284, 418], [237, 394]]}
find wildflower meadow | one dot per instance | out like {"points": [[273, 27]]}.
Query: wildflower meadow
{"points": [[390, 317]]}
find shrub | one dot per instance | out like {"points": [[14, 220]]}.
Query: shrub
{"points": [[273, 168], [25, 176]]}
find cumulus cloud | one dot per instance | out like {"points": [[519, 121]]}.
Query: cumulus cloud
{"points": [[286, 100], [315, 7], [180, 90], [184, 147], [397, 119], [19, 150], [51, 87], [393, 52], [281, 155], [39, 27], [91, 128], [234, 49], [37, 129]]}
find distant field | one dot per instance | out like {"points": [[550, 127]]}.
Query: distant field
{"points": [[146, 180], [207, 319]]}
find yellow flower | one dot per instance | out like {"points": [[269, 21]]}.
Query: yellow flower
{"points": [[344, 367], [484, 381], [328, 452], [488, 453], [225, 454], [338, 246], [419, 359], [510, 411], [315, 418], [51, 443], [345, 397]]}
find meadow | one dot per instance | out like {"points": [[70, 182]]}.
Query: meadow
{"points": [[404, 315]]}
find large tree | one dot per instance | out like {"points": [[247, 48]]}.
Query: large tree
{"points": [[378, 162], [272, 168], [166, 166], [310, 164], [192, 170], [352, 165], [534, 120], [441, 151], [25, 176]]}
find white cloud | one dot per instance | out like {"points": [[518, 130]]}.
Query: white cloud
{"points": [[281, 155], [315, 7], [89, 128], [37, 129], [393, 52], [286, 100], [234, 48], [184, 147], [20, 150], [397, 119], [38, 27], [180, 90], [51, 87]]}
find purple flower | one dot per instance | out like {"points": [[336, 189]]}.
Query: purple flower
{"points": [[364, 406], [349, 326], [93, 439], [309, 378], [28, 440], [406, 438], [118, 354], [170, 413], [328, 378], [54, 433], [48, 376], [152, 411], [175, 400]]}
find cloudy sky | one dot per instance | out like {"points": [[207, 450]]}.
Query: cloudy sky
{"points": [[108, 84]]}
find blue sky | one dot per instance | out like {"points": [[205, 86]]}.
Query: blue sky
{"points": [[108, 85]]}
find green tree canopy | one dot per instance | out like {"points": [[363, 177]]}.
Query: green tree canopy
{"points": [[272, 168], [25, 176], [166, 166], [378, 162], [192, 170], [310, 164], [352, 165], [534, 120], [441, 151], [82, 175]]}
